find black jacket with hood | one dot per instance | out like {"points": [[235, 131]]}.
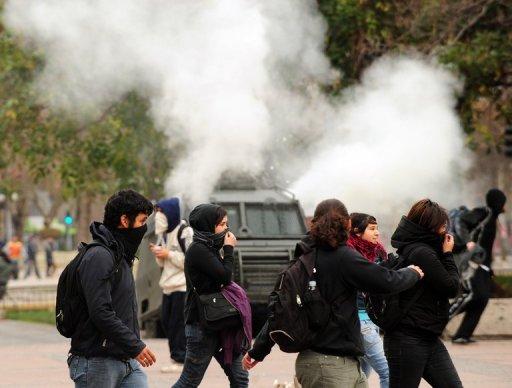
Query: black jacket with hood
{"points": [[428, 316], [341, 272], [110, 327], [206, 271]]}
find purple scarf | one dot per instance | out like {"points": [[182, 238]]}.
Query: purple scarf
{"points": [[236, 341]]}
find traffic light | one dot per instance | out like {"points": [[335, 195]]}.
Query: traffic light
{"points": [[507, 144], [68, 219]]}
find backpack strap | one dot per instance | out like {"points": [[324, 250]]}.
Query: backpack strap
{"points": [[181, 240], [479, 228]]}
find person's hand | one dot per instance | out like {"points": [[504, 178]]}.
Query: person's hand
{"points": [[471, 245], [230, 239], [417, 269], [448, 243], [146, 357], [160, 252], [248, 362]]}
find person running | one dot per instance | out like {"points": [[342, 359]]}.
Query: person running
{"points": [[413, 349], [364, 238], [480, 225], [340, 272]]}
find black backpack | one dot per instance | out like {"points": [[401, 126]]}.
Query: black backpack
{"points": [[296, 311], [384, 309], [70, 306], [454, 224]]}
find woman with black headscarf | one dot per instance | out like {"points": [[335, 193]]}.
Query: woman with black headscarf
{"points": [[206, 272]]}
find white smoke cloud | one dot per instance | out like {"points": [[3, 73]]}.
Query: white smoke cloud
{"points": [[208, 67], [397, 139], [238, 82]]}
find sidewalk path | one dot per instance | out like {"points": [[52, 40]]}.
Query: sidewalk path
{"points": [[35, 356]]}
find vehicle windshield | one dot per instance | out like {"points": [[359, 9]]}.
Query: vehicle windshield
{"points": [[267, 219]]}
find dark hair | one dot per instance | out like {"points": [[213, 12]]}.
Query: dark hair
{"points": [[330, 223], [360, 222], [428, 214], [221, 213], [125, 202]]}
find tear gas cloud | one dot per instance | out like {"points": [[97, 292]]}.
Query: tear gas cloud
{"points": [[238, 83]]}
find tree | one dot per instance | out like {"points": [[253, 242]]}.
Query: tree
{"points": [[45, 151]]}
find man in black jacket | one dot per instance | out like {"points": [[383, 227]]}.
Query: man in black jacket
{"points": [[106, 350], [480, 226]]}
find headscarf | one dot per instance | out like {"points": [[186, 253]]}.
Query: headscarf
{"points": [[203, 220], [171, 208]]}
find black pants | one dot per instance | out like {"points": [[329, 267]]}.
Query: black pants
{"points": [[481, 285], [173, 324], [411, 358]]}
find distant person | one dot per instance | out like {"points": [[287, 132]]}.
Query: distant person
{"points": [[479, 228], [174, 236], [30, 262], [210, 271], [413, 348], [333, 360], [364, 238], [5, 273], [106, 351], [49, 248], [15, 250]]}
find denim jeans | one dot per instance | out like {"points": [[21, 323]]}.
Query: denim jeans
{"points": [[103, 372], [315, 370], [374, 356], [201, 347], [411, 358]]}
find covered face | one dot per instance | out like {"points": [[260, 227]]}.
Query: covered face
{"points": [[210, 225], [161, 223], [171, 210]]}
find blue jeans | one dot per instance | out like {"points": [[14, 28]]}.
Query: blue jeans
{"points": [[201, 347], [374, 356], [103, 372]]}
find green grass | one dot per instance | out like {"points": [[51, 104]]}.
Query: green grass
{"points": [[39, 316]]}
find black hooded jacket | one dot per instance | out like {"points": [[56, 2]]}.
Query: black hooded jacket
{"points": [[110, 328], [341, 272], [205, 270], [428, 316]]}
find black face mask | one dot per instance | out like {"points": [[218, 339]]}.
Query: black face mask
{"points": [[213, 240], [130, 238], [218, 239]]}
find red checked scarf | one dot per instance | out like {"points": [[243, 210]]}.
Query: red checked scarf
{"points": [[369, 250]]}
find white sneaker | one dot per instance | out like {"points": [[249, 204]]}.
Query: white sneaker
{"points": [[174, 367]]}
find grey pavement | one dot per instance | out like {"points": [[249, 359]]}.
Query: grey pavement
{"points": [[35, 356]]}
